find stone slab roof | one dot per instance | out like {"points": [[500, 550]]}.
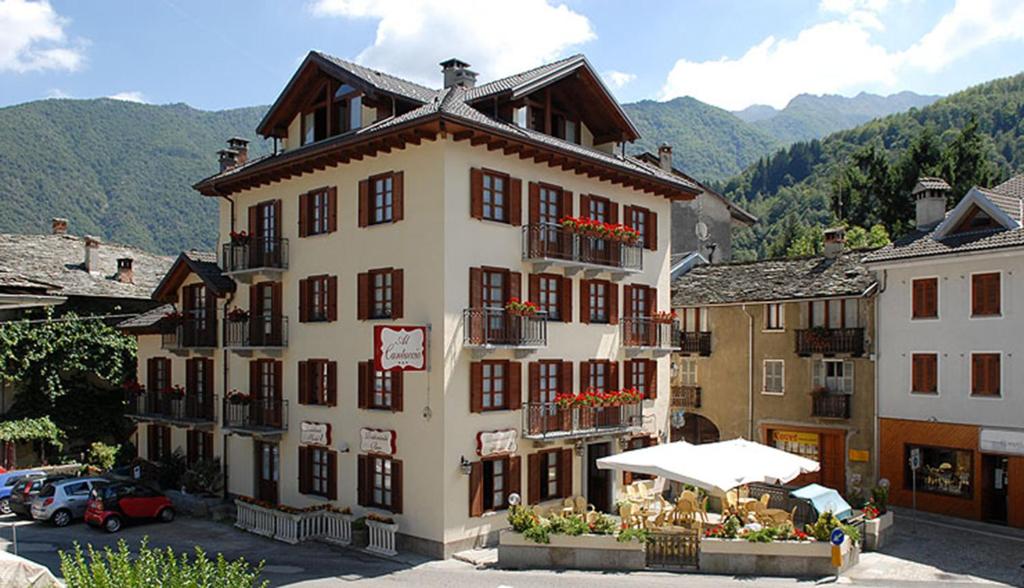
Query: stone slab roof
{"points": [[147, 321], [773, 280], [59, 260]]}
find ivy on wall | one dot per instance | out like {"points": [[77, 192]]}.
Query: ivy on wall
{"points": [[37, 429]]}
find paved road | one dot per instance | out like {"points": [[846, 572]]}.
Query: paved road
{"points": [[943, 552]]}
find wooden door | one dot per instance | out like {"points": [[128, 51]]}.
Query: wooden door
{"points": [[599, 482], [994, 488], [268, 463]]}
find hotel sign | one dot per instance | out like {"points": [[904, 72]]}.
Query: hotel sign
{"points": [[1001, 441], [311, 433], [400, 348], [377, 441], [490, 443]]}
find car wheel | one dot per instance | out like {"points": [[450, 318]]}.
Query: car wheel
{"points": [[61, 518], [5, 506], [166, 515], [112, 524]]}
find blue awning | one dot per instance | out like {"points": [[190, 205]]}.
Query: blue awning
{"points": [[824, 499]]}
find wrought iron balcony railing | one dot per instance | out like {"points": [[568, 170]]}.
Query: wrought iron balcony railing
{"points": [[257, 331], [191, 333], [830, 341], [831, 405], [546, 420], [685, 397], [255, 254], [496, 327], [698, 342], [189, 407], [256, 415], [646, 332], [552, 243]]}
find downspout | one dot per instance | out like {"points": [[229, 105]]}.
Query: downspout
{"points": [[226, 369], [750, 373], [877, 436]]}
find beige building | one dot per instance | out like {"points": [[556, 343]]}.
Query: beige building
{"points": [[781, 352], [393, 204]]}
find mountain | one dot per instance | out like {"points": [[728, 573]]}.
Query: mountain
{"points": [[756, 112], [865, 174], [119, 170]]}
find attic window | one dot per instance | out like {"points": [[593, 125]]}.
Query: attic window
{"points": [[348, 109], [976, 220], [314, 119]]}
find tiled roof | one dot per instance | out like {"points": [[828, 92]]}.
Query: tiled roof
{"points": [[930, 183], [512, 81], [204, 265], [15, 282], [385, 82], [59, 260], [147, 320], [773, 279]]}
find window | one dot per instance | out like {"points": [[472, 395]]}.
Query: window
{"points": [[380, 482], [491, 482], [550, 209], [598, 307], [199, 382], [348, 105], [318, 212], [924, 373], [833, 376], [380, 294], [773, 317], [943, 470], [642, 374], [985, 374], [158, 374], [694, 320], [381, 199], [632, 445], [379, 389], [985, 294], [318, 299], [552, 294], [159, 442], [495, 196], [549, 475], [925, 298], [841, 313], [774, 376], [318, 382], [549, 383], [199, 446], [495, 484], [688, 371], [494, 385], [646, 223], [598, 375], [383, 209], [318, 471]]}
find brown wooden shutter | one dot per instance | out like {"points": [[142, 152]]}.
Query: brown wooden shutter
{"points": [[364, 203], [332, 383], [515, 385], [278, 375], [304, 391], [613, 212], [627, 300], [566, 379], [304, 214], [332, 475], [585, 205], [565, 473], [363, 480], [398, 196], [585, 302], [397, 294], [533, 377], [191, 451], [916, 370], [363, 296], [362, 394], [151, 374], [533, 473], [515, 285], [396, 486], [397, 390], [565, 299], [476, 287], [476, 489], [165, 432], [567, 205], [278, 217], [332, 209], [254, 377], [254, 216], [476, 193], [651, 228], [651, 375], [476, 386], [584, 375], [613, 303], [515, 201], [917, 298], [304, 470], [208, 387], [190, 376], [613, 375], [627, 215], [627, 374], [515, 476], [534, 203], [304, 301], [332, 298], [534, 286], [994, 374]]}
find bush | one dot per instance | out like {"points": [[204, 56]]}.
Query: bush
{"points": [[204, 477], [880, 498], [821, 530], [172, 469], [603, 525], [521, 518], [102, 455], [633, 534], [154, 567]]}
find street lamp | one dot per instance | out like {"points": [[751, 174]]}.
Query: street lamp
{"points": [[465, 465]]}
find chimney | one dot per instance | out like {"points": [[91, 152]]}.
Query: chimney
{"points": [[59, 225], [125, 274], [835, 242], [92, 254], [241, 148], [228, 159], [456, 73], [665, 157], [930, 198]]}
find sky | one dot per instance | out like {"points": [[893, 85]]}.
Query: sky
{"points": [[731, 53]]}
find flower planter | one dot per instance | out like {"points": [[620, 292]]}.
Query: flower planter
{"points": [[583, 552], [286, 526], [382, 537], [877, 531], [335, 528], [255, 519], [778, 558]]}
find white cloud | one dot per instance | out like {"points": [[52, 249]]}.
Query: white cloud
{"points": [[58, 93], [617, 79], [133, 96], [842, 54], [497, 37], [33, 38]]}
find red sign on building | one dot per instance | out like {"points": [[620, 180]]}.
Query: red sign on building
{"points": [[400, 348]]}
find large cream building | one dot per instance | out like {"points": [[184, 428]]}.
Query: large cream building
{"points": [[389, 203]]}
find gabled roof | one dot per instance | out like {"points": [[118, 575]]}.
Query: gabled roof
{"points": [[738, 214], [771, 280], [680, 263], [149, 322], [201, 263], [975, 198]]}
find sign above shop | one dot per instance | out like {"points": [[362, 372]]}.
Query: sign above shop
{"points": [[1001, 441], [311, 433], [490, 443], [377, 441], [400, 348]]}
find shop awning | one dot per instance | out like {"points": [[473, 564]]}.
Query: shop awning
{"points": [[824, 499], [717, 467]]}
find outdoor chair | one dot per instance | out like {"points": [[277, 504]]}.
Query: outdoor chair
{"points": [[765, 498], [569, 506], [664, 517], [776, 517], [627, 513], [581, 506]]}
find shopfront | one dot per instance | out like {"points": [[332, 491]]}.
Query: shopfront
{"points": [[825, 446]]}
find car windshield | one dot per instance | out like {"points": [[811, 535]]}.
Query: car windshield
{"points": [[48, 491]]}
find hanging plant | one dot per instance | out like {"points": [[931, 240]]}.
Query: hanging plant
{"points": [[237, 397], [176, 391], [516, 307], [664, 317], [239, 238], [133, 387], [238, 315]]}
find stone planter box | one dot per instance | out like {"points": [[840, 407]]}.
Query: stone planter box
{"points": [[877, 531], [382, 537], [255, 519], [779, 558], [583, 552]]}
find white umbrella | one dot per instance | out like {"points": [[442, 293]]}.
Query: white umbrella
{"points": [[717, 467]]}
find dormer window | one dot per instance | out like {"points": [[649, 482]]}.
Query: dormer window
{"points": [[348, 105], [565, 128], [344, 114]]}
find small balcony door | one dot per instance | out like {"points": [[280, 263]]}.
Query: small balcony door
{"points": [[495, 296], [639, 306], [265, 230], [266, 375], [268, 467], [199, 310], [265, 314]]}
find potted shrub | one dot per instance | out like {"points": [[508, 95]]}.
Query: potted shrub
{"points": [[237, 397], [238, 315], [239, 238]]}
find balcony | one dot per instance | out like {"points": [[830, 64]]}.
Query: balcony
{"points": [[546, 420], [265, 333], [546, 245], [191, 334], [489, 329], [255, 255], [685, 397], [183, 410], [698, 342], [830, 341], [257, 417], [643, 333], [830, 405]]}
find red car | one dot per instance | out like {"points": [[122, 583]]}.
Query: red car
{"points": [[112, 506]]}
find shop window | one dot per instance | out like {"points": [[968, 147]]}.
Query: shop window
{"points": [[943, 471]]}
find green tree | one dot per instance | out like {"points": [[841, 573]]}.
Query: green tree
{"points": [[968, 160]]}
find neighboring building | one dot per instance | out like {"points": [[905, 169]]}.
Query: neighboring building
{"points": [[782, 352], [949, 336], [701, 228], [332, 248]]}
